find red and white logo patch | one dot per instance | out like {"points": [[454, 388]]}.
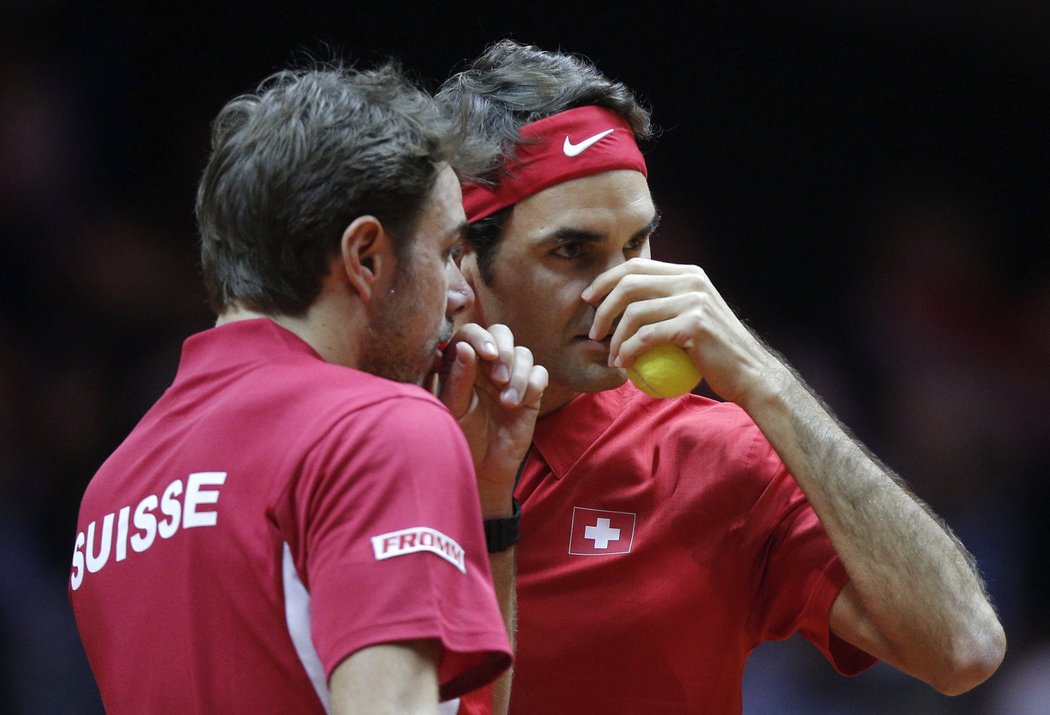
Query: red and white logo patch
{"points": [[596, 532], [419, 538]]}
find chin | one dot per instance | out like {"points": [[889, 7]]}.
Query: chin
{"points": [[598, 379], [399, 371]]}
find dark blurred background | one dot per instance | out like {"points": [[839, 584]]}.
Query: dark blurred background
{"points": [[866, 182]]}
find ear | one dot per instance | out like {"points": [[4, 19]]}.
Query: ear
{"points": [[367, 256], [468, 266]]}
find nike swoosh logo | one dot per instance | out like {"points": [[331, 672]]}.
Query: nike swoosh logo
{"points": [[571, 149]]}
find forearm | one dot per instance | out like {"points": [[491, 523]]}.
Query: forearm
{"points": [[497, 503], [503, 566], [388, 678], [920, 603], [914, 597]]}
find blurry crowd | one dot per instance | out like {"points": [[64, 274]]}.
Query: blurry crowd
{"points": [[927, 329], [94, 301]]}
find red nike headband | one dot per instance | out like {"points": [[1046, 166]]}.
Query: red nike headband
{"points": [[568, 145]]}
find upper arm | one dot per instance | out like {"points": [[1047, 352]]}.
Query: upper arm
{"points": [[390, 547], [387, 678]]}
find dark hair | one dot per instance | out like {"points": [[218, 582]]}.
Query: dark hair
{"points": [[293, 164], [511, 85]]}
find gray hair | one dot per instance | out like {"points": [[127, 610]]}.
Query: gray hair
{"points": [[293, 164]]}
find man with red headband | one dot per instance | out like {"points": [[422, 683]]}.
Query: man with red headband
{"points": [[663, 540]]}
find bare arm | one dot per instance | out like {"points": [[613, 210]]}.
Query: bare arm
{"points": [[393, 678], [503, 576], [493, 388], [914, 597]]}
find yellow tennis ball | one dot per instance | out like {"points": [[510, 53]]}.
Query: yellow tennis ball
{"points": [[664, 371]]}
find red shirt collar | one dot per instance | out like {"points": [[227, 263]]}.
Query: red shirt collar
{"points": [[564, 436]]}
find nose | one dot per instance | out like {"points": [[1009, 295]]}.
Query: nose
{"points": [[615, 259], [460, 294]]}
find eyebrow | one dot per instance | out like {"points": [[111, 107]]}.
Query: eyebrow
{"points": [[458, 232], [562, 235]]}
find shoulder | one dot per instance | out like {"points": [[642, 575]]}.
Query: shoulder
{"points": [[378, 443], [391, 413], [699, 415], [343, 414], [694, 426], [337, 390]]}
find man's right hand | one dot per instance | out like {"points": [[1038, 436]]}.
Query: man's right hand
{"points": [[493, 388]]}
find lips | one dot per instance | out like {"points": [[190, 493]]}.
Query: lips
{"points": [[598, 346], [446, 336], [585, 330], [438, 366], [585, 334]]}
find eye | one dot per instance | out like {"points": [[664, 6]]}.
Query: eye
{"points": [[569, 250], [455, 252], [635, 246]]}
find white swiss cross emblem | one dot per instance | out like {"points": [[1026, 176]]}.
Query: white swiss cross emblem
{"points": [[596, 532]]}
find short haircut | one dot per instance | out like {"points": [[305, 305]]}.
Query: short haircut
{"points": [[295, 162], [511, 85]]}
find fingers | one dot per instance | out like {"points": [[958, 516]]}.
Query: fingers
{"points": [[642, 303], [628, 286], [675, 319], [456, 390], [630, 297], [512, 369], [499, 413], [508, 368], [600, 287], [527, 380], [481, 340], [501, 365], [537, 383]]}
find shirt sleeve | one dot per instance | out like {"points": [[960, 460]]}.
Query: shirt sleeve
{"points": [[390, 543], [801, 573]]}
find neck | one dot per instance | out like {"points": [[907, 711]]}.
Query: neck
{"points": [[555, 397], [236, 312], [321, 327]]}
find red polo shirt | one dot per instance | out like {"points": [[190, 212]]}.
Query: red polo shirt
{"points": [[271, 515], [662, 541]]}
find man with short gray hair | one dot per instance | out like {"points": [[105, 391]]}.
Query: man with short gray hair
{"points": [[295, 525]]}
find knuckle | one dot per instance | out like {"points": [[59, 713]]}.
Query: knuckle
{"points": [[631, 282], [630, 314], [644, 332], [695, 324], [695, 282]]}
